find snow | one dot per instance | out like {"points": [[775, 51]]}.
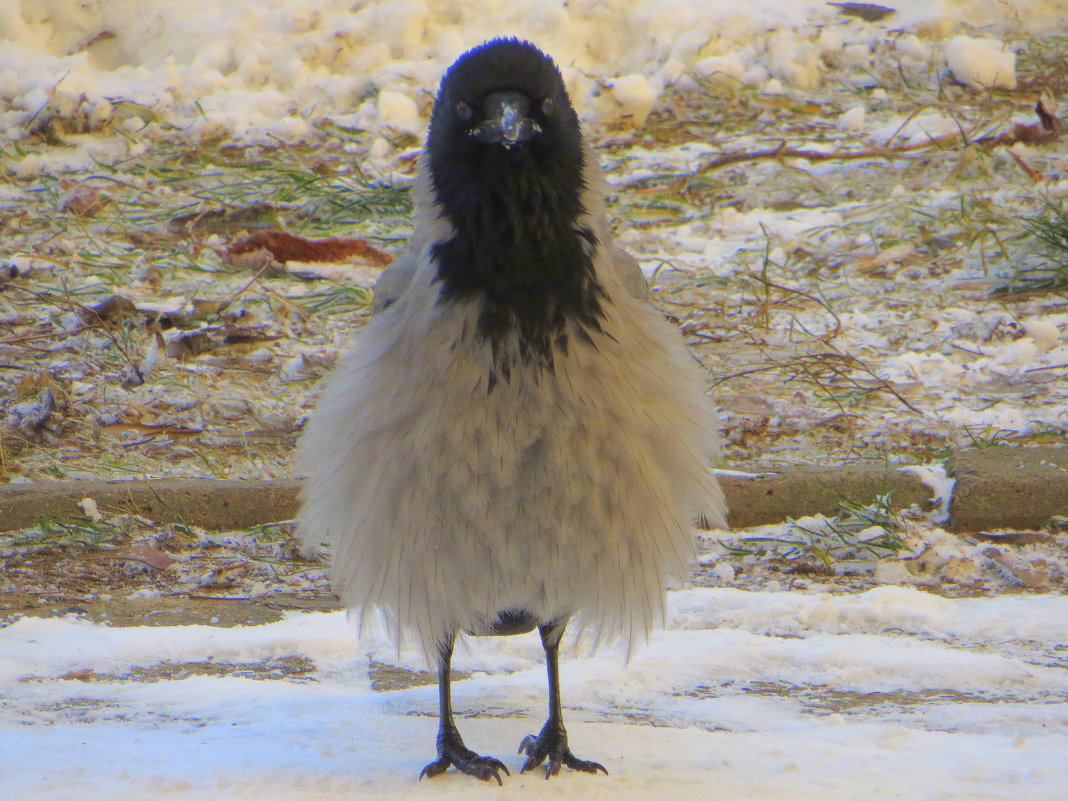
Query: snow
{"points": [[890, 693], [636, 95], [90, 508], [1044, 333], [730, 66], [262, 68], [934, 477], [981, 63], [852, 119], [399, 112]]}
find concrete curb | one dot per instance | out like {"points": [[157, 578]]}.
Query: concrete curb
{"points": [[209, 503], [1007, 487], [773, 497], [996, 488]]}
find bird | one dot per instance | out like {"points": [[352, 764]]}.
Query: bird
{"points": [[518, 439]]}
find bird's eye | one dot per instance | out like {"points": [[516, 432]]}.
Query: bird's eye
{"points": [[464, 112], [547, 106]]}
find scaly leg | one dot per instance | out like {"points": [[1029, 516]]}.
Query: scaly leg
{"points": [[451, 748], [551, 742]]}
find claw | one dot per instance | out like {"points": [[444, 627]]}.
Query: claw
{"points": [[552, 744], [466, 761], [434, 768]]}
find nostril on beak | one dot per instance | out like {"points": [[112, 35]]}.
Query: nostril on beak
{"points": [[513, 122], [506, 119]]}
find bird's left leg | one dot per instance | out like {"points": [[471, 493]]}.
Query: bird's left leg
{"points": [[551, 742], [451, 748]]}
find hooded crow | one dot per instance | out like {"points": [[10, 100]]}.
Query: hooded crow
{"points": [[517, 439]]}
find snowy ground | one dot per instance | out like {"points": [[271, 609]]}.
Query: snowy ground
{"points": [[844, 308], [893, 693], [149, 660]]}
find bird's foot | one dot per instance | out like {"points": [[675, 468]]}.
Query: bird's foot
{"points": [[452, 751], [551, 744]]}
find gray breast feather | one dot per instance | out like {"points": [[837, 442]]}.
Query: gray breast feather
{"points": [[571, 491], [394, 280]]}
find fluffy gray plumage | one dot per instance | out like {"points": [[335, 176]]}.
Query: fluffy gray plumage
{"points": [[567, 491], [518, 438]]}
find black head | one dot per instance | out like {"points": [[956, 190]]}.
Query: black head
{"points": [[503, 104], [506, 158]]}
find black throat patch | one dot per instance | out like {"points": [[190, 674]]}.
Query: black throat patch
{"points": [[519, 250]]}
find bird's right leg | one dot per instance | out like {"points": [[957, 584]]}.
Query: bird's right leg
{"points": [[551, 742], [451, 748]]}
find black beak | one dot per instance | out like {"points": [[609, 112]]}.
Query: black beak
{"points": [[506, 119]]}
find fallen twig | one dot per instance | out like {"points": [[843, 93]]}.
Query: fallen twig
{"points": [[1046, 131]]}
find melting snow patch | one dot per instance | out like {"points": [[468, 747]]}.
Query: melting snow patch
{"points": [[852, 119], [941, 485], [981, 63]]}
